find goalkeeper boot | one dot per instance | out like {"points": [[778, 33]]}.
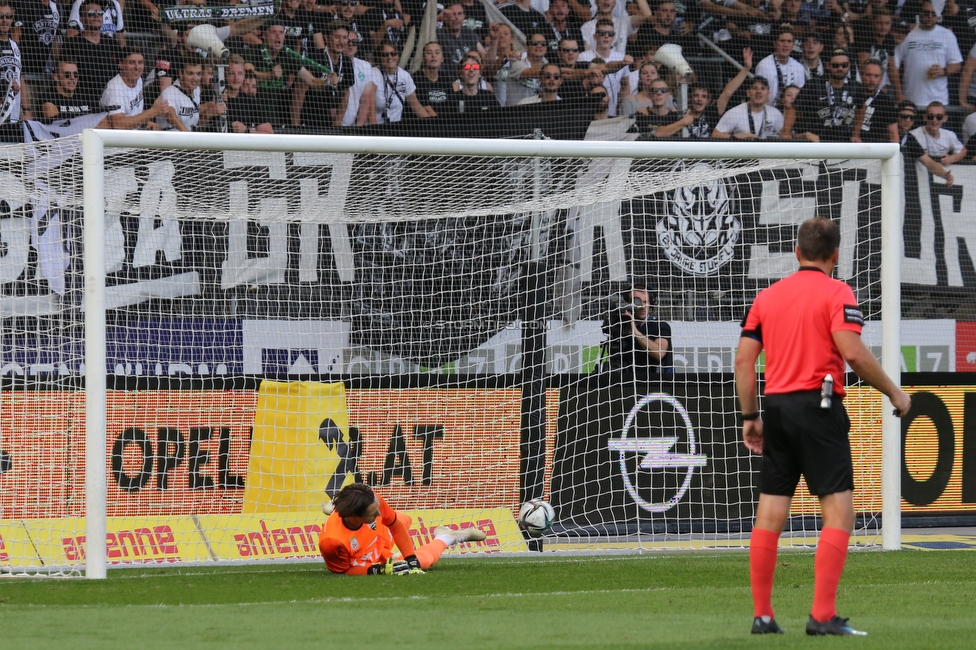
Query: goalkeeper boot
{"points": [[759, 626], [470, 534], [836, 626]]}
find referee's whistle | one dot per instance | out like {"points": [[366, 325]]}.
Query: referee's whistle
{"points": [[826, 392]]}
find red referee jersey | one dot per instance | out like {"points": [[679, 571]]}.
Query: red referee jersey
{"points": [[794, 319]]}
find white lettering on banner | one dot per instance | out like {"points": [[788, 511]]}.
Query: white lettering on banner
{"points": [[316, 208], [119, 183], [581, 221], [273, 160], [239, 267], [158, 202], [775, 209], [15, 235], [922, 270]]}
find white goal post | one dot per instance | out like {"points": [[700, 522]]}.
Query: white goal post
{"points": [[96, 142]]}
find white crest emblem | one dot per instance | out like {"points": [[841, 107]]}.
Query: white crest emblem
{"points": [[354, 544], [700, 234]]}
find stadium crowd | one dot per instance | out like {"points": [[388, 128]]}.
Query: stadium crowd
{"points": [[824, 70]]}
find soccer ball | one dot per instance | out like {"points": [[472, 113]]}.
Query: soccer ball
{"points": [[535, 517]]}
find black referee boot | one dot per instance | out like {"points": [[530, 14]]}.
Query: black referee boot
{"points": [[760, 626], [836, 626]]}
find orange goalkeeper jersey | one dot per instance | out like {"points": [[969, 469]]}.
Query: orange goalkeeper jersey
{"points": [[354, 551]]}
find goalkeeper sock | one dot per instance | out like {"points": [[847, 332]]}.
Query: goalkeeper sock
{"points": [[447, 539], [763, 545], [828, 566], [428, 554]]}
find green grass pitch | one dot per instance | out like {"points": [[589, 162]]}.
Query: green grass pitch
{"points": [[906, 599]]}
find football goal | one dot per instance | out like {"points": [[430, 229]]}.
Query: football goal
{"points": [[207, 335]]}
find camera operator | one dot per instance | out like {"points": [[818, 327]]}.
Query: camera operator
{"points": [[637, 342]]}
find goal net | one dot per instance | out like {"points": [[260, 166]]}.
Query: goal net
{"points": [[447, 325]]}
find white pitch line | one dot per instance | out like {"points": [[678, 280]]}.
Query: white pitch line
{"points": [[546, 594]]}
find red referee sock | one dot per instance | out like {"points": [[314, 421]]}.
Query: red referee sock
{"points": [[763, 545], [828, 566]]}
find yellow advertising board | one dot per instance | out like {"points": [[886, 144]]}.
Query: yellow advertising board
{"points": [[297, 424], [261, 536]]}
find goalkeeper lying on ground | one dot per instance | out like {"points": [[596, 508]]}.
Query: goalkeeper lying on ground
{"points": [[362, 530]]}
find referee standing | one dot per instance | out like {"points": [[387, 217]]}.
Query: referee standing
{"points": [[809, 324]]}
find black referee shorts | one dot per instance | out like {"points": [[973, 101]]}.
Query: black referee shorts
{"points": [[799, 437]]}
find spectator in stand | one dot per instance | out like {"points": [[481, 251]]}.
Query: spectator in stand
{"points": [[659, 113], [11, 62], [184, 97], [456, 40], [60, 100], [125, 92], [498, 60], [362, 94], [471, 97], [967, 90], [272, 67], [328, 95], [930, 53], [298, 24], [387, 21], [699, 120], [879, 45], [642, 98], [876, 118], [906, 121], [572, 68], [933, 146], [843, 37], [562, 25], [36, 29], [523, 77], [624, 25], [552, 79], [780, 69], [664, 27], [732, 87], [395, 88], [754, 28], [113, 22], [752, 119], [787, 103], [615, 66], [526, 19], [968, 130], [791, 13], [475, 17], [651, 73], [601, 92], [812, 63], [244, 112], [351, 12], [433, 88], [826, 107], [99, 56]]}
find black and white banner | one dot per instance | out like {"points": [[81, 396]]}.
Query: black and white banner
{"points": [[331, 238]]}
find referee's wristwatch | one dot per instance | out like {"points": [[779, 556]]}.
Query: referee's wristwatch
{"points": [[751, 416]]}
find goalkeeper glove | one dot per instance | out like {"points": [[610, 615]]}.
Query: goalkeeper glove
{"points": [[410, 565], [385, 569], [407, 566]]}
